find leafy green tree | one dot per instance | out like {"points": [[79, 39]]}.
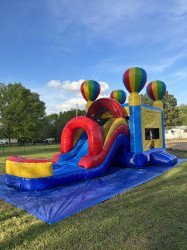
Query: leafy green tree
{"points": [[21, 112], [183, 114], [146, 100], [49, 128], [65, 117], [54, 123], [171, 111]]}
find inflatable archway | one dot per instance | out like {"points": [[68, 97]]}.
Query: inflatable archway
{"points": [[92, 130], [102, 105]]}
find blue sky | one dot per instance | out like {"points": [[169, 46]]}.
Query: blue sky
{"points": [[51, 46]]}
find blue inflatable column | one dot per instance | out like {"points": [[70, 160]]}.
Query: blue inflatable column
{"points": [[136, 158]]}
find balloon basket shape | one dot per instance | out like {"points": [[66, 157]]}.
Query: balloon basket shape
{"points": [[134, 99], [158, 104], [88, 104]]}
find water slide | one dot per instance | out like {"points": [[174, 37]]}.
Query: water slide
{"points": [[88, 154], [90, 158], [89, 144]]}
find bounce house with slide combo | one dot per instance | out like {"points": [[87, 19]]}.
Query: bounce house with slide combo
{"points": [[129, 135]]}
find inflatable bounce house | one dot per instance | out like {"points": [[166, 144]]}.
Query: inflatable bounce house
{"points": [[129, 135]]}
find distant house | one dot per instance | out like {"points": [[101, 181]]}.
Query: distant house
{"points": [[176, 133], [5, 141], [49, 140]]}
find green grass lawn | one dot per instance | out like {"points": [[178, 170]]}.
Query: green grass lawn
{"points": [[37, 151], [151, 216]]}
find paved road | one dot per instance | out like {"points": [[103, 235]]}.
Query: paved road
{"points": [[177, 145]]}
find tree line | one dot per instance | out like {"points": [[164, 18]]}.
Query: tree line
{"points": [[173, 115], [23, 116]]}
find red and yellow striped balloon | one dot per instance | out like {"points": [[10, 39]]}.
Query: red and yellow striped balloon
{"points": [[156, 90], [134, 79], [118, 95], [90, 90]]}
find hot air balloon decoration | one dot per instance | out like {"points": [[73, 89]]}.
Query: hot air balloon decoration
{"points": [[156, 91], [118, 95], [90, 90], [134, 80]]}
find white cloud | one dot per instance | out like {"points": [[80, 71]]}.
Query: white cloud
{"points": [[179, 75], [176, 78], [91, 13], [70, 95], [73, 86], [165, 64], [54, 84], [73, 102], [179, 8], [104, 87], [65, 85], [121, 22]]}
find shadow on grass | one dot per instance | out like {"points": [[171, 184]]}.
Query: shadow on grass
{"points": [[29, 234], [178, 153], [11, 215], [148, 217]]}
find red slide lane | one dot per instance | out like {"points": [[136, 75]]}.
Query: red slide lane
{"points": [[90, 161], [95, 144]]}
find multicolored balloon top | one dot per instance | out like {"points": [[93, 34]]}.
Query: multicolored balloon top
{"points": [[118, 95], [134, 79], [90, 90], [156, 90]]}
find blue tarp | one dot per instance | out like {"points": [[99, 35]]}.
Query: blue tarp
{"points": [[56, 204]]}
